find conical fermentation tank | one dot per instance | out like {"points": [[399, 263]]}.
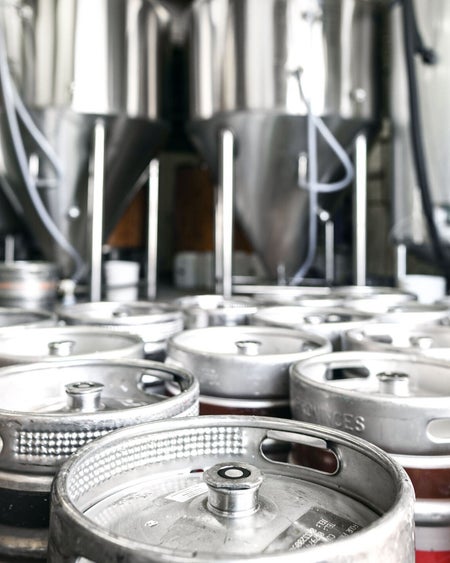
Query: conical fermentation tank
{"points": [[81, 91], [258, 69], [433, 89]]}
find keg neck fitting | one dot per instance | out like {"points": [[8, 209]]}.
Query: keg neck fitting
{"points": [[84, 396], [248, 347], [393, 383], [233, 489], [61, 348], [121, 313], [421, 342]]}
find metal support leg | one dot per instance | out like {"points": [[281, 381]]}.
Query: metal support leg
{"points": [[401, 256], [10, 244], [224, 215], [152, 229], [95, 210], [329, 251], [360, 211]]}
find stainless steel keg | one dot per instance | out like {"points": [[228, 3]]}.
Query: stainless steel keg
{"points": [[400, 403], [153, 322], [201, 490], [372, 299], [18, 317], [48, 411], [201, 311], [28, 284], [432, 341], [331, 323], [18, 346], [243, 365], [290, 295], [413, 313]]}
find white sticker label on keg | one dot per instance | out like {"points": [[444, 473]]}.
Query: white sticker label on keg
{"points": [[315, 527], [188, 493]]}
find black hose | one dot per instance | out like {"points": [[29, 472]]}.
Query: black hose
{"points": [[413, 45]]}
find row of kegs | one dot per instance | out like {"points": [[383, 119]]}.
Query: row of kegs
{"points": [[155, 482]]}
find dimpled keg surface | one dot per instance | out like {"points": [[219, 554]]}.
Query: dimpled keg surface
{"points": [[49, 410], [200, 490]]}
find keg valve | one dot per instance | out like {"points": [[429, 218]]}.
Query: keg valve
{"points": [[233, 489], [84, 396], [393, 383], [248, 347], [61, 348]]}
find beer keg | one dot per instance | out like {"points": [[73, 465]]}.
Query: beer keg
{"points": [[372, 299], [19, 346], [413, 313], [331, 323], [400, 402], [201, 311], [18, 317], [243, 369], [432, 341], [202, 490], [29, 284], [49, 410], [153, 322]]}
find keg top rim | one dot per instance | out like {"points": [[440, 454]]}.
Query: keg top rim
{"points": [[72, 501]]}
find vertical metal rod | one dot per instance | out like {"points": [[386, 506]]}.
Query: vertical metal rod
{"points": [[360, 211], [95, 207], [329, 251], [401, 256], [10, 243], [152, 229], [224, 215]]}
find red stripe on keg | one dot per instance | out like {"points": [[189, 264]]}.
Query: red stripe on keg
{"points": [[432, 556]]}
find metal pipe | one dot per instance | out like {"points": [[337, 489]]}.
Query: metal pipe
{"points": [[95, 210], [401, 257], [224, 215], [360, 211], [152, 229]]}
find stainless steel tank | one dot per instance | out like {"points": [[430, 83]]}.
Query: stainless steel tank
{"points": [[154, 322], [400, 403], [245, 59], [433, 87], [215, 497], [48, 411], [201, 311], [29, 345], [243, 369], [331, 323], [75, 64]]}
